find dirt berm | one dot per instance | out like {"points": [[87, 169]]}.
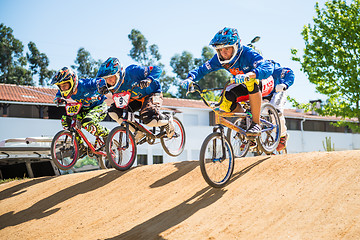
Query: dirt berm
{"points": [[296, 196]]}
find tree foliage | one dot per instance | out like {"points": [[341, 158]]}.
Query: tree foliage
{"points": [[12, 60], [38, 64], [184, 63], [86, 66], [332, 58], [148, 56], [140, 52]]}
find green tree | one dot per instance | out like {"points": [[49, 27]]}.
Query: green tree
{"points": [[184, 63], [141, 52], [38, 64], [147, 56], [86, 66], [12, 61], [331, 58]]}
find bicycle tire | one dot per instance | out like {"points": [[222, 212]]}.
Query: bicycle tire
{"points": [[269, 140], [64, 150], [120, 158], [238, 141], [210, 159], [176, 144]]}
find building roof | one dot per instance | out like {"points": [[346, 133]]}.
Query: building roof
{"points": [[19, 93], [28, 94]]}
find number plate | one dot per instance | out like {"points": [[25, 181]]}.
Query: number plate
{"points": [[121, 99], [73, 108]]}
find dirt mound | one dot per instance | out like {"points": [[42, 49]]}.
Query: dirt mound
{"points": [[297, 196]]}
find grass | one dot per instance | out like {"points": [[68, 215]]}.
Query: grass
{"points": [[11, 179]]}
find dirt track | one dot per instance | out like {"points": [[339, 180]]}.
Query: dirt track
{"points": [[296, 196]]}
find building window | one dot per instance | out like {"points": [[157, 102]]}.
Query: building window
{"points": [[293, 124], [142, 159], [158, 159]]}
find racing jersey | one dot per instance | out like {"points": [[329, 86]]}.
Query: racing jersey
{"points": [[87, 93], [282, 75], [136, 73], [249, 60]]}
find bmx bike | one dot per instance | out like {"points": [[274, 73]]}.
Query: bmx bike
{"points": [[121, 145], [242, 146], [217, 154], [65, 145]]}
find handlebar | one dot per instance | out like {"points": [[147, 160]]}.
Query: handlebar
{"points": [[196, 88]]}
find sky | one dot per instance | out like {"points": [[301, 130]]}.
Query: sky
{"points": [[60, 28]]}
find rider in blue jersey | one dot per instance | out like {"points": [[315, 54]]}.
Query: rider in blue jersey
{"points": [[147, 97], [242, 62], [85, 91], [283, 78]]}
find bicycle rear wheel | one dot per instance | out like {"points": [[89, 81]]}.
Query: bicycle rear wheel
{"points": [[121, 157], [238, 141], [216, 166], [64, 150], [270, 124], [174, 146]]}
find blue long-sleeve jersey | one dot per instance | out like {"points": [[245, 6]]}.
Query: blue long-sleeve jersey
{"points": [[282, 75], [249, 60], [136, 73], [87, 93]]}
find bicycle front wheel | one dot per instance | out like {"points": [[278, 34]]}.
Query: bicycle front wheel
{"points": [[174, 146], [64, 150], [120, 152], [216, 162]]}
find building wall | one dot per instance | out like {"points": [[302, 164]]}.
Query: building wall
{"points": [[196, 123]]}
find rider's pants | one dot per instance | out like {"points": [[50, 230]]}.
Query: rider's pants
{"points": [[90, 119]]}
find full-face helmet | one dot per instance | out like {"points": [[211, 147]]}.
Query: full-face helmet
{"points": [[66, 75], [227, 37], [110, 67]]}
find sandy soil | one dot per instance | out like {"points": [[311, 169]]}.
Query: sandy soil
{"points": [[296, 196]]}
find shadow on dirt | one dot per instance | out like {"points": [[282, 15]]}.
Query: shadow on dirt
{"points": [[246, 170], [152, 228], [183, 168], [14, 191], [41, 209]]}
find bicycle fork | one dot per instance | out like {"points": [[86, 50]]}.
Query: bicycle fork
{"points": [[222, 136]]}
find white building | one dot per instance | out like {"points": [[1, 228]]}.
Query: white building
{"points": [[29, 112]]}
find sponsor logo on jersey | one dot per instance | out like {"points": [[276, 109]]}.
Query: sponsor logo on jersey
{"points": [[235, 71], [207, 65]]}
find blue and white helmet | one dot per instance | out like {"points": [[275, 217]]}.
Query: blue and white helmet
{"points": [[227, 37], [110, 67]]}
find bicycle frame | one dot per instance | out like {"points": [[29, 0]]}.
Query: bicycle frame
{"points": [[220, 116], [130, 117], [76, 127]]}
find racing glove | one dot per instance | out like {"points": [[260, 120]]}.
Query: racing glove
{"points": [[144, 83], [58, 101], [102, 87], [187, 83], [280, 87], [239, 79]]}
